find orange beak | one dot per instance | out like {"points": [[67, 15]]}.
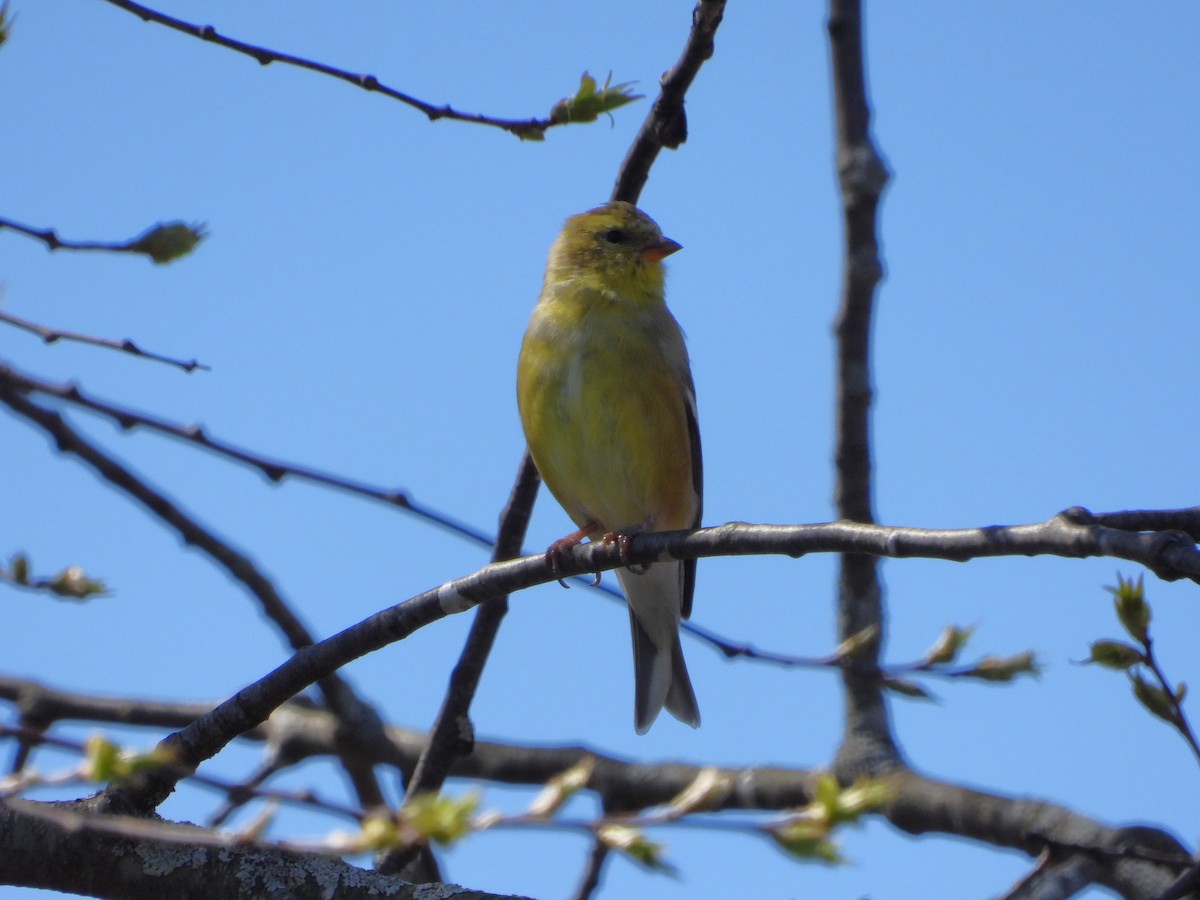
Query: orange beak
{"points": [[660, 249]]}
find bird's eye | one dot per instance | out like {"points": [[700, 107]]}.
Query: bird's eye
{"points": [[613, 236]]}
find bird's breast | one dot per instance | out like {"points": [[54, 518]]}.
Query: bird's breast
{"points": [[605, 414]]}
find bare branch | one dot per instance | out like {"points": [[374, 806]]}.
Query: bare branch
{"points": [[452, 735], [666, 123], [1134, 862], [301, 731], [273, 469], [526, 129], [144, 860], [1164, 553], [591, 874], [277, 471], [361, 722], [236, 564], [1185, 520], [867, 745], [161, 243], [1123, 857], [1052, 879], [51, 335]]}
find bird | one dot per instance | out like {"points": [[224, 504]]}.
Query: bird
{"points": [[608, 407]]}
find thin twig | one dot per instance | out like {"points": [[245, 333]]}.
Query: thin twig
{"points": [[1173, 696], [272, 469], [243, 791], [524, 128], [51, 335], [161, 243], [595, 868], [50, 238]]}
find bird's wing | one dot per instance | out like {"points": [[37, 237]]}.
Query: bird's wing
{"points": [[693, 425]]}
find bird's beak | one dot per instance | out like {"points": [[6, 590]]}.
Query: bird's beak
{"points": [[661, 248]]}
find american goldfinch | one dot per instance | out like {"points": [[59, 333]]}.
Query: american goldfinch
{"points": [[609, 412]]}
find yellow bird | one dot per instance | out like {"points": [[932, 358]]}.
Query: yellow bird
{"points": [[609, 412]]}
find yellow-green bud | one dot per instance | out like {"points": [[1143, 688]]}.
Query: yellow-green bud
{"points": [[1115, 655]]}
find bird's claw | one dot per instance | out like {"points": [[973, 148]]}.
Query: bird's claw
{"points": [[554, 560], [622, 540], [555, 552]]}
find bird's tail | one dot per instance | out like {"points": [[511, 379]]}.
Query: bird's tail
{"points": [[659, 673]]}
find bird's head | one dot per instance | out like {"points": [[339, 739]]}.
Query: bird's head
{"points": [[616, 245]]}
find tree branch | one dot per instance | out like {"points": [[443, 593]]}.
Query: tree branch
{"points": [[1163, 553], [45, 843], [592, 872], [161, 243], [274, 470], [666, 123], [452, 735], [526, 129], [277, 472], [867, 745], [300, 731], [1053, 880], [1135, 862], [360, 722], [51, 335]]}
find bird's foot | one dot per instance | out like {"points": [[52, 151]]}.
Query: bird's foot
{"points": [[622, 539], [554, 553]]}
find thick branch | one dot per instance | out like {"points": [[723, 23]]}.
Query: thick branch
{"points": [[1164, 553], [867, 743], [299, 732], [1133, 861], [1136, 862], [53, 846]]}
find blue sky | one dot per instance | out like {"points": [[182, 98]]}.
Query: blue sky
{"points": [[361, 300]]}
